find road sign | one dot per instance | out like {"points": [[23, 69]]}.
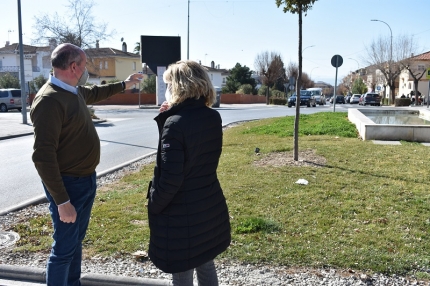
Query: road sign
{"points": [[336, 61], [428, 73]]}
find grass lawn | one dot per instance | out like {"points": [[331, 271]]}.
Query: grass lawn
{"points": [[367, 208]]}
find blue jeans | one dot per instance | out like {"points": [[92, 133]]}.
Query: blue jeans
{"points": [[64, 264], [206, 276]]}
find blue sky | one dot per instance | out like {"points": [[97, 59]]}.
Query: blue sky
{"points": [[232, 31]]}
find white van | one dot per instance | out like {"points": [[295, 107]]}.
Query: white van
{"points": [[10, 98], [317, 93]]}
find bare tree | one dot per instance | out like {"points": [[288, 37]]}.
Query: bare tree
{"points": [[390, 59], [292, 70], [307, 82], [271, 69], [80, 28], [416, 74], [299, 7], [346, 82]]}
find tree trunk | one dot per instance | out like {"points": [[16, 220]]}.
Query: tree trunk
{"points": [[267, 95], [298, 86], [392, 92], [416, 92]]}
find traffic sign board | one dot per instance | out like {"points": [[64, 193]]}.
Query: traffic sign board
{"points": [[336, 61]]}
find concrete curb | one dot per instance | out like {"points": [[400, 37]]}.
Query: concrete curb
{"points": [[15, 135], [33, 274], [22, 273]]}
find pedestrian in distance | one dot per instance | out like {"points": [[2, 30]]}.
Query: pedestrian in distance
{"points": [[187, 211], [66, 153]]}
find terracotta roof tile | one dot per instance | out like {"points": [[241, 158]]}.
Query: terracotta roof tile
{"points": [[26, 48], [423, 56], [109, 52]]}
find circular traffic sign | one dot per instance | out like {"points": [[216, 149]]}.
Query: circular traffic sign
{"points": [[336, 61]]}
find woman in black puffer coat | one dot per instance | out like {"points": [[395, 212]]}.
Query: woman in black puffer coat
{"points": [[188, 215]]}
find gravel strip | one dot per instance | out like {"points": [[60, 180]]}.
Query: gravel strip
{"points": [[229, 272]]}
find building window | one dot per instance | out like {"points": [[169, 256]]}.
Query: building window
{"points": [[134, 66], [223, 80], [106, 65], [421, 67], [409, 85], [101, 65]]}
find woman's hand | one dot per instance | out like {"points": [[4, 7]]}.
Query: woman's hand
{"points": [[164, 106]]}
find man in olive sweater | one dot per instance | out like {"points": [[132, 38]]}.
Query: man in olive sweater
{"points": [[66, 153]]}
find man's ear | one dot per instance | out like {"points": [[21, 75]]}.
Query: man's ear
{"points": [[73, 67]]}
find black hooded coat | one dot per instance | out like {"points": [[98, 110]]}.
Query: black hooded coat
{"points": [[188, 216]]}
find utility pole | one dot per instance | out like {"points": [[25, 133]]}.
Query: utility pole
{"points": [[21, 68]]}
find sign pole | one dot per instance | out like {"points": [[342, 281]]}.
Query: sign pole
{"points": [[428, 93], [335, 84], [336, 61]]}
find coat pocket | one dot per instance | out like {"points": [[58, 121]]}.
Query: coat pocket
{"points": [[149, 189]]}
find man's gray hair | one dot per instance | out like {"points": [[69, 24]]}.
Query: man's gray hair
{"points": [[64, 55]]}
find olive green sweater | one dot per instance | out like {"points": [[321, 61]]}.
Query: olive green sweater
{"points": [[65, 139]]}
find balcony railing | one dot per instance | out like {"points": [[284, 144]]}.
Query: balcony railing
{"points": [[16, 69], [9, 69]]}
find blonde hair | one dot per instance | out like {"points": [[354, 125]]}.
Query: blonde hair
{"points": [[187, 79]]}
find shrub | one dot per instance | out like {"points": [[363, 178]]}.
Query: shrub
{"points": [[402, 102], [149, 85], [262, 91], [9, 80], [245, 89], [278, 94], [277, 100], [224, 90]]}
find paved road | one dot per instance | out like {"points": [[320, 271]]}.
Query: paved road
{"points": [[127, 134]]}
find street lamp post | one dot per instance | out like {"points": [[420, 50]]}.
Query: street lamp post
{"points": [[358, 65], [391, 51], [188, 32], [312, 71]]}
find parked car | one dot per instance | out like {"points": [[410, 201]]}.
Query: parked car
{"points": [[306, 98], [370, 98], [317, 93], [355, 98], [339, 99], [10, 98], [319, 99], [348, 98]]}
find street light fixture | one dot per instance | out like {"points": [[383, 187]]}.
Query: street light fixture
{"points": [[358, 65], [307, 47]]}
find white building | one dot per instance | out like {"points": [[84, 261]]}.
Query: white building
{"points": [[37, 60], [419, 66], [217, 75]]}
